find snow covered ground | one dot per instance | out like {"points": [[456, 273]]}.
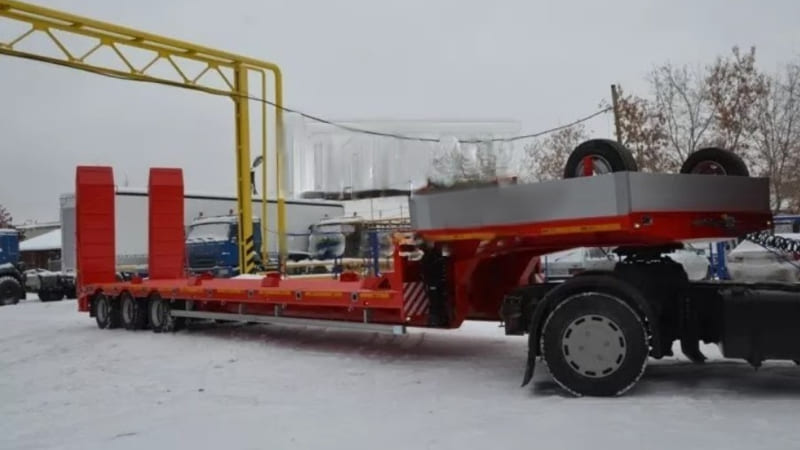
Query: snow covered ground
{"points": [[65, 384]]}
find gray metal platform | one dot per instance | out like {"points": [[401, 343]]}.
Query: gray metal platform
{"points": [[607, 195]]}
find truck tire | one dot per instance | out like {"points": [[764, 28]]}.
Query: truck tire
{"points": [[106, 312], [715, 161], [133, 312], [607, 156], [11, 291], [594, 344], [159, 316]]}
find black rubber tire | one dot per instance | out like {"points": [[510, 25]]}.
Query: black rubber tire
{"points": [[619, 158], [616, 310], [133, 312], [728, 162], [158, 314], [11, 291], [106, 312]]}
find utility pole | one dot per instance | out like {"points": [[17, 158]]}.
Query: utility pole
{"points": [[615, 106]]}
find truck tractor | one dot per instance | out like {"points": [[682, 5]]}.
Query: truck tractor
{"points": [[12, 278], [211, 245]]}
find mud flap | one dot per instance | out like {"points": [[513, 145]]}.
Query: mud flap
{"points": [[533, 333], [529, 368]]}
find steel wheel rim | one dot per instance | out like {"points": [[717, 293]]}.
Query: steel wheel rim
{"points": [[594, 346], [709, 168], [102, 310], [600, 166], [127, 310], [155, 313]]}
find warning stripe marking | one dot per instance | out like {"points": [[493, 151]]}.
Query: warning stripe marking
{"points": [[415, 299]]}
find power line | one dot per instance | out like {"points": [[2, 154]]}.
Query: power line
{"points": [[219, 92]]}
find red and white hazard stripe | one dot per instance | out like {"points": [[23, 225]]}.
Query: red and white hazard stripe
{"points": [[415, 299]]}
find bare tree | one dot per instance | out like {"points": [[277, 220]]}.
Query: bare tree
{"points": [[545, 158], [642, 129], [777, 129], [5, 218], [682, 97], [735, 87]]}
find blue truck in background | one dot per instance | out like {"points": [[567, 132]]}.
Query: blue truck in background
{"points": [[212, 245], [12, 277]]}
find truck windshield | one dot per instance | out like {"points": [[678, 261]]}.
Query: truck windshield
{"points": [[209, 232]]}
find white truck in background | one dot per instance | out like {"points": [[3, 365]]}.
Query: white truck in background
{"points": [[131, 223]]}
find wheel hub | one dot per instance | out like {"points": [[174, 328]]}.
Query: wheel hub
{"points": [[599, 166], [156, 313], [102, 310], [709, 168], [594, 346], [127, 310]]}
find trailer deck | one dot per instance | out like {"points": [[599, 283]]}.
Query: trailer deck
{"points": [[516, 224]]}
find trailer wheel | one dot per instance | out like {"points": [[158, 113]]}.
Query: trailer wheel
{"points": [[133, 312], [715, 161], [106, 312], [594, 344], [605, 155], [158, 314]]}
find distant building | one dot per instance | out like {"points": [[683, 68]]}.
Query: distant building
{"points": [[31, 230], [42, 251]]}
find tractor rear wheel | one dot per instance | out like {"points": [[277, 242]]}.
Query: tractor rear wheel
{"points": [[594, 344]]}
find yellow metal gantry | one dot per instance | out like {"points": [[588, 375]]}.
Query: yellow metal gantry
{"points": [[232, 69]]}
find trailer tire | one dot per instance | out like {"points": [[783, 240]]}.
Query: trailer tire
{"points": [[133, 312], [595, 344], [607, 156], [158, 314], [106, 312], [715, 161], [11, 291]]}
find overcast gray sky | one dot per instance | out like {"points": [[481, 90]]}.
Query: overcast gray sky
{"points": [[543, 63]]}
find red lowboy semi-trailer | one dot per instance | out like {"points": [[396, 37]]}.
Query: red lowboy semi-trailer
{"points": [[480, 248]]}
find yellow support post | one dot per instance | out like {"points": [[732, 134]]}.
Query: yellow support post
{"points": [[247, 263], [279, 178], [55, 26], [264, 205]]}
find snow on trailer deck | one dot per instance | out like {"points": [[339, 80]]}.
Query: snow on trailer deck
{"points": [[255, 387]]}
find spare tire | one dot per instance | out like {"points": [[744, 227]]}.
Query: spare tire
{"points": [[715, 161], [606, 155]]}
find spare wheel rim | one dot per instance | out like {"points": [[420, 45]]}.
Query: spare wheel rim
{"points": [[600, 165], [709, 168]]}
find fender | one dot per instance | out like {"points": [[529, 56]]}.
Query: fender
{"points": [[600, 281]]}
